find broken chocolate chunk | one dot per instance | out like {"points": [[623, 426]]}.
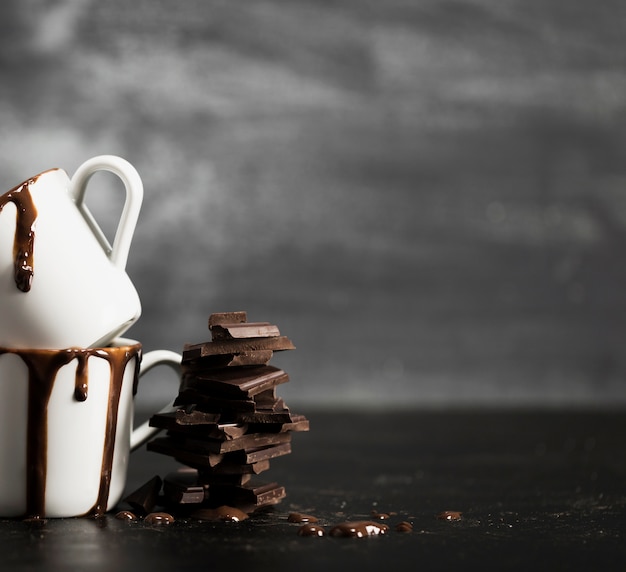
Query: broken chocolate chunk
{"points": [[145, 498]]}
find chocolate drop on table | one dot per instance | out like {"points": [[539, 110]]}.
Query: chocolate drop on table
{"points": [[358, 529]]}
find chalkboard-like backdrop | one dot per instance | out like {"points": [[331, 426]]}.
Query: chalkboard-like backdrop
{"points": [[428, 197]]}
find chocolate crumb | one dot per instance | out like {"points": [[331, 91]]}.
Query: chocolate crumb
{"points": [[450, 515], [380, 515]]}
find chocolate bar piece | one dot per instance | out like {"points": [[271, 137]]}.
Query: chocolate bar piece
{"points": [[229, 409], [225, 478], [247, 442], [298, 423], [226, 469], [168, 446], [144, 499], [183, 487], [187, 486], [208, 363], [252, 494], [260, 417], [216, 405], [224, 431], [235, 383], [227, 318], [196, 351], [267, 401], [191, 416], [263, 454]]}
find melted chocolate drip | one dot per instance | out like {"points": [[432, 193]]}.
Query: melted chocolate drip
{"points": [[43, 367], [117, 361], [81, 385], [24, 241]]}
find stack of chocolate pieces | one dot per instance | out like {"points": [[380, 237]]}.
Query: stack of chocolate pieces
{"points": [[230, 422]]}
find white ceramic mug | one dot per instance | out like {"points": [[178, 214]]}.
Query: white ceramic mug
{"points": [[66, 420], [61, 283]]}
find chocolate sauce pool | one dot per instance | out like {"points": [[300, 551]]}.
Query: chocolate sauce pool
{"points": [[24, 241], [43, 367]]}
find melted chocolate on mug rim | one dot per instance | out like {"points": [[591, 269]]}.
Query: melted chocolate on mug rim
{"points": [[43, 367]]}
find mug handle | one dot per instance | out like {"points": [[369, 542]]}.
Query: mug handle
{"points": [[157, 357], [118, 253]]}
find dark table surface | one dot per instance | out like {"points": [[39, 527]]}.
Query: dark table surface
{"points": [[536, 488]]}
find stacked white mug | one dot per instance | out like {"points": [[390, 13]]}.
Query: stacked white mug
{"points": [[67, 378]]}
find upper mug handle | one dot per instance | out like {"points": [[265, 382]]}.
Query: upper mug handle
{"points": [[118, 253]]}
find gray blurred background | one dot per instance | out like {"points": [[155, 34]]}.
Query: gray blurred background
{"points": [[428, 197]]}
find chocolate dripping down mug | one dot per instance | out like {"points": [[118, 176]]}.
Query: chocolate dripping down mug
{"points": [[66, 420], [61, 283]]}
